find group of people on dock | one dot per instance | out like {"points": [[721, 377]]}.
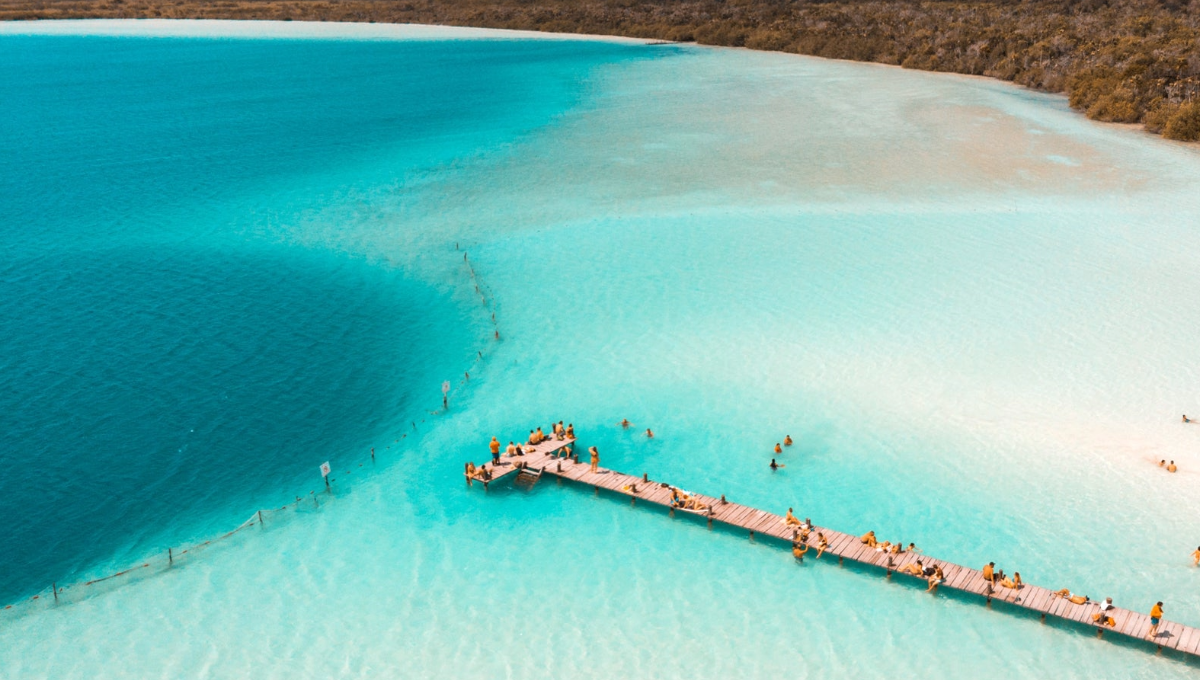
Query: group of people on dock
{"points": [[558, 432]]}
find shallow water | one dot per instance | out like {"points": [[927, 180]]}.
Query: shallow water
{"points": [[965, 302]]}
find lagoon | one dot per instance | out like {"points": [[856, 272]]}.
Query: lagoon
{"points": [[235, 251]]}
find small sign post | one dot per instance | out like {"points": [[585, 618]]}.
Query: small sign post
{"points": [[445, 393], [325, 470]]}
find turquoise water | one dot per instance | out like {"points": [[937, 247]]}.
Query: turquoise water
{"points": [[973, 309]]}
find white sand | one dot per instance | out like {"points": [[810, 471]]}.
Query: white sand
{"points": [[258, 29]]}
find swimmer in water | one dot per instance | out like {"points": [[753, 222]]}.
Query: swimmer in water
{"points": [[776, 466], [1186, 419], [799, 550], [649, 434], [778, 448], [1162, 463], [787, 440], [625, 423], [1196, 557], [1171, 467]]}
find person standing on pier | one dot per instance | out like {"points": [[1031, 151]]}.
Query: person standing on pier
{"points": [[1156, 613], [595, 458], [495, 447]]}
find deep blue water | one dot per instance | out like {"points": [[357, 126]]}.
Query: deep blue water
{"points": [[184, 333]]}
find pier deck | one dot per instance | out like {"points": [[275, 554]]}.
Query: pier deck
{"points": [[544, 457]]}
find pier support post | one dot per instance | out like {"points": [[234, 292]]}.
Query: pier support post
{"points": [[260, 522], [752, 534], [1043, 617], [672, 512], [839, 560], [170, 558], [596, 490], [54, 587], [632, 501], [710, 521]]}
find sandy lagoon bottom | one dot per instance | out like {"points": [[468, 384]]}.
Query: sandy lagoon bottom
{"points": [[961, 299]]}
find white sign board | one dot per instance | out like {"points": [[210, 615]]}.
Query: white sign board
{"points": [[325, 469], [446, 388]]}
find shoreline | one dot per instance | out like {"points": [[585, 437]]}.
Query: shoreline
{"points": [[275, 29]]}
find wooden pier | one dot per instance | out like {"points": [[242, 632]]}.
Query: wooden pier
{"points": [[549, 458]]}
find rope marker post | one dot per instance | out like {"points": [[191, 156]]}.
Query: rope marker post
{"points": [[325, 470]]}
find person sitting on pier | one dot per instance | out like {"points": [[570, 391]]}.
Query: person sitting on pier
{"points": [[912, 548], [935, 579], [470, 469], [913, 568], [989, 573], [1014, 582], [804, 533], [787, 440], [1101, 617], [532, 438], [896, 549], [791, 520], [822, 544], [868, 538], [510, 450], [799, 550], [883, 547], [570, 430], [1171, 467], [778, 448]]}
